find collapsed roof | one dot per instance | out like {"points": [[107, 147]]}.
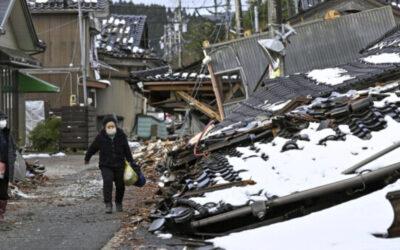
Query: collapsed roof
{"points": [[287, 160]]}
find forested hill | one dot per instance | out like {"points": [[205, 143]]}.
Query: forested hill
{"points": [[156, 18]]}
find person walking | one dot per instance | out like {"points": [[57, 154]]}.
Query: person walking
{"points": [[8, 155], [114, 150]]}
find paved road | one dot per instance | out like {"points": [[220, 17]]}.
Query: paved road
{"points": [[67, 212]]}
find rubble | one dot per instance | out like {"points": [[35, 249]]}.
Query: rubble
{"points": [[282, 155]]}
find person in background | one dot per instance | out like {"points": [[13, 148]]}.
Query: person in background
{"points": [[114, 150], [8, 155]]}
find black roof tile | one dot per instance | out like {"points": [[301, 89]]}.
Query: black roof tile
{"points": [[87, 5], [122, 36]]}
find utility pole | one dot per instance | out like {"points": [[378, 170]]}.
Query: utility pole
{"points": [[83, 53], [256, 18], [180, 33], [215, 9], [238, 14], [227, 19], [165, 39], [272, 18]]}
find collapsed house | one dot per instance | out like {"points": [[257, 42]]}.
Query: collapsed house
{"points": [[282, 153]]}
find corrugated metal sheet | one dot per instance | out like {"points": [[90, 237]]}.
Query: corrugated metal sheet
{"points": [[321, 43], [144, 124], [245, 54], [318, 44]]}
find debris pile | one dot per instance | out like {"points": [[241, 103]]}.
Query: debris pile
{"points": [[153, 155], [260, 172]]}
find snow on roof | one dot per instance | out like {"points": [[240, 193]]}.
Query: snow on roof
{"points": [[383, 58], [57, 5], [330, 76], [122, 36]]}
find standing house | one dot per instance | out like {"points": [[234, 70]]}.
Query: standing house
{"points": [[18, 42], [57, 25], [124, 45]]}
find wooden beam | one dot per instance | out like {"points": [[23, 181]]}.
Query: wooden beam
{"points": [[168, 87], [232, 91], [204, 108], [217, 91], [176, 83]]}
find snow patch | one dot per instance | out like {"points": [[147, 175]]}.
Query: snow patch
{"points": [[383, 58], [330, 76]]}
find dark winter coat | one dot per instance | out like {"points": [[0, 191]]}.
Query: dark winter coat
{"points": [[113, 152], [10, 154]]}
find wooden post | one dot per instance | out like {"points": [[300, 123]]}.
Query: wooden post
{"points": [[217, 91]]}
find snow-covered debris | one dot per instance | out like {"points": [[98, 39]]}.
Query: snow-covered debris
{"points": [[347, 226], [296, 170]]}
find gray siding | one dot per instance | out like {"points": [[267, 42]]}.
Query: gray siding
{"points": [[321, 44], [119, 99]]}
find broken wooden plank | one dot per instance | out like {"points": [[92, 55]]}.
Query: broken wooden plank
{"points": [[204, 108], [217, 91]]}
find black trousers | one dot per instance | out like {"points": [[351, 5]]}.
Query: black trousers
{"points": [[4, 189], [111, 175]]}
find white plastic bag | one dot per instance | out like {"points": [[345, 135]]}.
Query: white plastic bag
{"points": [[130, 176]]}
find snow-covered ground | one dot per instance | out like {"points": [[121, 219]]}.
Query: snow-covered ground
{"points": [[344, 227], [43, 155], [347, 226]]}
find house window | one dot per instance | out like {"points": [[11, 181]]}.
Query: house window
{"points": [[233, 89]]}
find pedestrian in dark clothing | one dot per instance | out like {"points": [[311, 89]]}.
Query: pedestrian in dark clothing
{"points": [[8, 156], [114, 151]]}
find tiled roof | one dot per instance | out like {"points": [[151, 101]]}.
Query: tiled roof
{"points": [[376, 64], [60, 5], [185, 76], [122, 36], [349, 126]]}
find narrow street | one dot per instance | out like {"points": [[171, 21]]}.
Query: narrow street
{"points": [[67, 212]]}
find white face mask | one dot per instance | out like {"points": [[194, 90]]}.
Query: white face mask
{"points": [[3, 124], [111, 131]]}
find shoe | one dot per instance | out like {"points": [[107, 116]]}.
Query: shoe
{"points": [[119, 207], [109, 208]]}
